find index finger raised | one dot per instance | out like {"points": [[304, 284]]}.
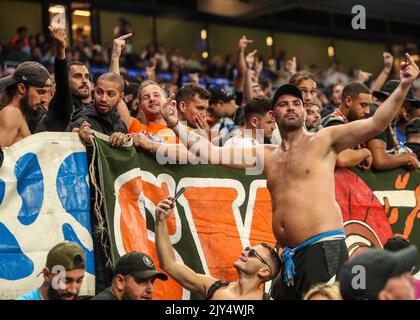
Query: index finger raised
{"points": [[409, 59]]}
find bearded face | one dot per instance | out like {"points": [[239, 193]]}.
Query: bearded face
{"points": [[289, 113], [66, 287], [79, 81]]}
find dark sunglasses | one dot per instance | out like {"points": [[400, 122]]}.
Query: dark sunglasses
{"points": [[254, 253]]}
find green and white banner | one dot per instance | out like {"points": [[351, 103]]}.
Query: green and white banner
{"points": [[224, 210]]}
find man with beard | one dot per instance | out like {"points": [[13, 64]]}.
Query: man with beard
{"points": [[26, 89], [63, 274], [134, 277], [307, 221], [73, 87], [254, 266], [259, 124], [355, 105], [80, 83], [312, 118], [387, 153], [102, 116], [335, 99]]}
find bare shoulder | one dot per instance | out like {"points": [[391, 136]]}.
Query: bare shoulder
{"points": [[322, 135], [271, 147], [320, 142], [10, 115], [207, 282]]}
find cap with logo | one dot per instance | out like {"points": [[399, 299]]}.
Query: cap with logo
{"points": [[29, 72], [288, 89], [139, 265], [68, 255], [219, 94], [363, 277]]}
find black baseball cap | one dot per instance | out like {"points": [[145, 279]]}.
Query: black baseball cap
{"points": [[289, 89], [396, 243], [378, 266], [219, 94], [413, 126], [29, 72], [389, 88], [139, 265]]}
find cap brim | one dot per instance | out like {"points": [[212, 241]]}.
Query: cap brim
{"points": [[415, 103], [380, 95], [405, 260], [7, 81], [229, 98], [147, 274]]}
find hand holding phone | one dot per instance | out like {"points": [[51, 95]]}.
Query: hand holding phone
{"points": [[177, 195]]}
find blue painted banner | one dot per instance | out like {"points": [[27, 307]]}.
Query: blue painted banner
{"points": [[44, 200]]}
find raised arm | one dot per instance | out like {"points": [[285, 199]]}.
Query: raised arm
{"points": [[241, 64], [240, 158], [117, 47], [177, 152], [151, 69], [383, 76], [61, 107], [356, 132], [250, 61], [185, 276]]}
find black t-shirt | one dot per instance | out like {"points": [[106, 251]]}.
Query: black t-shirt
{"points": [[328, 109], [105, 295], [388, 138], [415, 147], [332, 121]]}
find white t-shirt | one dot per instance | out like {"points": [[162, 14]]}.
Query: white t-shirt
{"points": [[238, 140], [276, 138]]}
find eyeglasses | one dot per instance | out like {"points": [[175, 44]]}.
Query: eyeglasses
{"points": [[254, 253]]}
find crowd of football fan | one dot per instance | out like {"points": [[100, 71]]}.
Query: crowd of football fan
{"points": [[53, 89]]}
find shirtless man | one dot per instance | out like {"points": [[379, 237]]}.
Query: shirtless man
{"points": [[300, 179], [27, 88], [254, 266]]}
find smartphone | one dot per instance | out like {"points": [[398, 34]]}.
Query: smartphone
{"points": [[178, 194], [58, 21]]}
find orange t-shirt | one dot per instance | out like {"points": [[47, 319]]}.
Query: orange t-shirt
{"points": [[157, 132]]}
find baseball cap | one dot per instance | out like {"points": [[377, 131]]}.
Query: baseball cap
{"points": [[379, 266], [413, 126], [29, 72], [289, 89], [389, 88], [67, 254], [396, 243], [139, 265], [219, 94]]}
